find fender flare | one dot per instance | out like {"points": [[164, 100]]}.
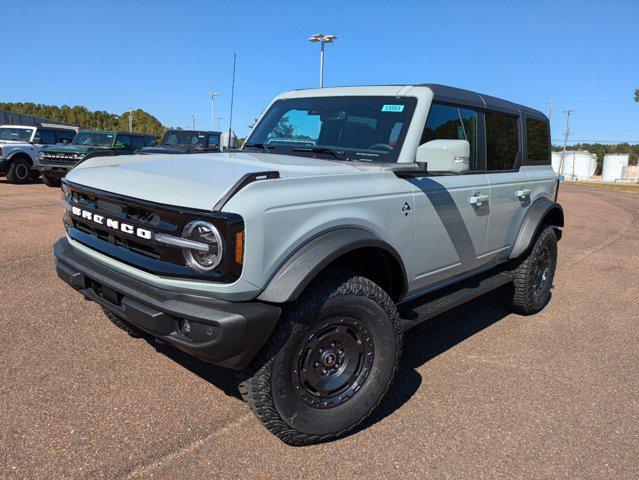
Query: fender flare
{"points": [[20, 153], [537, 212], [294, 275]]}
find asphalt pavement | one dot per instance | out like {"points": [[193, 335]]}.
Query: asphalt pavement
{"points": [[480, 393]]}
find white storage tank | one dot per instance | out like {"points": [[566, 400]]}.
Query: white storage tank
{"points": [[630, 173], [556, 161], [579, 165], [613, 166]]}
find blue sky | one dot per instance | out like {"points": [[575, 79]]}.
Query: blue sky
{"points": [[164, 57]]}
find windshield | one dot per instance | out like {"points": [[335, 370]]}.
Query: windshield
{"points": [[94, 139], [184, 139], [370, 129], [16, 134]]}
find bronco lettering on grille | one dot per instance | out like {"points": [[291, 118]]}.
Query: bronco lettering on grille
{"points": [[113, 224]]}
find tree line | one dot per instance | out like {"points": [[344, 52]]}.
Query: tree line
{"points": [[82, 117]]}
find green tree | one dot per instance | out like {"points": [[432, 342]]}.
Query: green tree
{"points": [[81, 117], [637, 95]]}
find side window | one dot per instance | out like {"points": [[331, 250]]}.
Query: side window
{"points": [[538, 136], [137, 141], [446, 122], [149, 141], [502, 141], [47, 137], [214, 141], [124, 140], [62, 135]]}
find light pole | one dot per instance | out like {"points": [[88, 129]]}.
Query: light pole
{"points": [[213, 95], [131, 119], [219, 123], [322, 39]]}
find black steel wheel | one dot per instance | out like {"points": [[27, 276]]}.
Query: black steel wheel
{"points": [[329, 363], [20, 170], [334, 362]]}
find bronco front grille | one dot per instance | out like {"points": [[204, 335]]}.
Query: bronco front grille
{"points": [[146, 254], [60, 158]]}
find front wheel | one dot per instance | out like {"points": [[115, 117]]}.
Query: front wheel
{"points": [[20, 171], [329, 363], [529, 291]]}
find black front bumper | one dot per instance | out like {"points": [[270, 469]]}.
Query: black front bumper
{"points": [[55, 171], [225, 333]]}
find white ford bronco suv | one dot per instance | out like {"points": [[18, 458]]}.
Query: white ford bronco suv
{"points": [[350, 215], [21, 144]]}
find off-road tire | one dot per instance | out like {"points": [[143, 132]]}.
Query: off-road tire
{"points": [[521, 296], [51, 181], [269, 385], [123, 324], [20, 171]]}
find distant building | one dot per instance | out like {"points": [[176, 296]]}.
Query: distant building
{"points": [[10, 118]]}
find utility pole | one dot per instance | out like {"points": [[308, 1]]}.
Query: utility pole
{"points": [[563, 153], [213, 95], [193, 123], [549, 102], [219, 123], [131, 119]]}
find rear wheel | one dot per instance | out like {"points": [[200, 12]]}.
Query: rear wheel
{"points": [[329, 363], [20, 171], [50, 181], [530, 290]]}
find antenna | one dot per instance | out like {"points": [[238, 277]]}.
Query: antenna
{"points": [[232, 94]]}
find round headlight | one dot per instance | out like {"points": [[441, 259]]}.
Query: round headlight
{"points": [[201, 259], [41, 156]]}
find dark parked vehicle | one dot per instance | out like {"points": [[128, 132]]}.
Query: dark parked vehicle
{"points": [[56, 161], [185, 141]]}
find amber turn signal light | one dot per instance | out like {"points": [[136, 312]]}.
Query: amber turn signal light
{"points": [[239, 247]]}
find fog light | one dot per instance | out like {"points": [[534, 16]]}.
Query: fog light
{"points": [[185, 327]]}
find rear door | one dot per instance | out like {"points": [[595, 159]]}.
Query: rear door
{"points": [[509, 185], [450, 225]]}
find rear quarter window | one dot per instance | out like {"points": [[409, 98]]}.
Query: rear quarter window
{"points": [[538, 140], [502, 141]]}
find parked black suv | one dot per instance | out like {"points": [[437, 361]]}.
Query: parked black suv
{"points": [[56, 161], [185, 141]]}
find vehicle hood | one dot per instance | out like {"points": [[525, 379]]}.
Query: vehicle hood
{"points": [[192, 181], [72, 148]]}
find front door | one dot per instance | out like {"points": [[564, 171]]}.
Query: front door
{"points": [[451, 211], [450, 226]]}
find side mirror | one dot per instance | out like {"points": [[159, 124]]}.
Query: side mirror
{"points": [[37, 140], [65, 142], [445, 155]]}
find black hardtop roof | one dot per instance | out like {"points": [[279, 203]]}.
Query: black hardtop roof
{"points": [[193, 131], [118, 132], [444, 93], [460, 96]]}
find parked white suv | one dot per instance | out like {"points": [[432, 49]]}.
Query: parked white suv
{"points": [[350, 215], [20, 145]]}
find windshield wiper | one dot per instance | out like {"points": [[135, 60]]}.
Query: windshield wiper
{"points": [[265, 147], [338, 154]]}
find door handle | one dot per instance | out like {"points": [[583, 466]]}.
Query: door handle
{"points": [[478, 199], [523, 193]]}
